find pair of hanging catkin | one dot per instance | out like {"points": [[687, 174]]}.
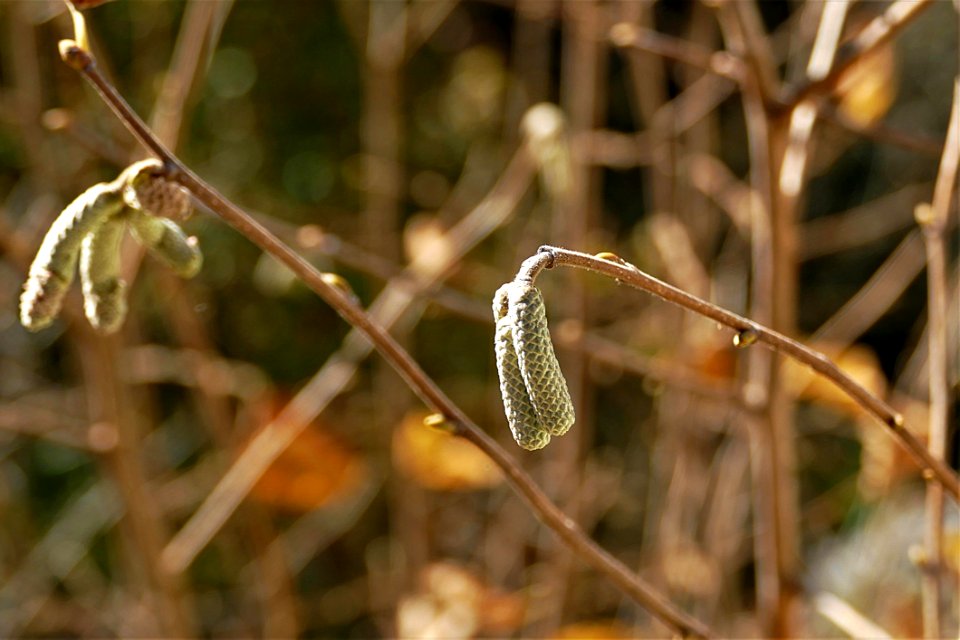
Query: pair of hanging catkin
{"points": [[90, 231], [535, 395]]}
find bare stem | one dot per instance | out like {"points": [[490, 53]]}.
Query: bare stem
{"points": [[933, 219], [933, 468], [567, 530], [878, 31], [634, 38]]}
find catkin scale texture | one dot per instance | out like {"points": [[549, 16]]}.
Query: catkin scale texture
{"points": [[53, 268], [166, 241], [152, 193], [521, 416], [104, 292], [537, 361]]}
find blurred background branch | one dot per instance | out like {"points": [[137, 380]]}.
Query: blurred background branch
{"points": [[383, 140]]}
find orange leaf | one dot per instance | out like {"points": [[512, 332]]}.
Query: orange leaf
{"points": [[595, 630], [316, 469]]}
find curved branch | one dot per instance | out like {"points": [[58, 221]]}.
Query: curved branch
{"points": [[749, 332], [548, 513]]}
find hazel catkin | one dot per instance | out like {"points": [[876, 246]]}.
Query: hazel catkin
{"points": [[104, 292], [53, 267], [535, 396], [521, 416], [537, 360]]}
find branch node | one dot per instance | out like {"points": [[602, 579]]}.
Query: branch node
{"points": [[75, 56], [550, 252], [745, 337]]}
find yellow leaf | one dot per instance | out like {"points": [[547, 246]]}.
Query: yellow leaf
{"points": [[867, 88], [436, 459]]}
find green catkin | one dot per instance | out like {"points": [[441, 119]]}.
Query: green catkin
{"points": [[95, 221], [53, 268], [166, 240], [520, 413], [538, 363], [104, 292]]}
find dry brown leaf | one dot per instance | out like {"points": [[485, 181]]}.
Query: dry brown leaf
{"points": [[436, 459]]}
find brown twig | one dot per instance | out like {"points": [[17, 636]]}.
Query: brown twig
{"points": [[860, 225], [933, 469], [382, 124], [772, 302], [571, 534], [933, 220], [193, 38], [595, 346], [122, 454], [635, 38], [877, 295], [333, 376], [881, 133], [844, 616], [881, 29]]}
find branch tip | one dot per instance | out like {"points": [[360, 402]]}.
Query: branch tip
{"points": [[74, 55], [550, 253]]}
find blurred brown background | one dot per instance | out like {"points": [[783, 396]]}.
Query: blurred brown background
{"points": [[362, 133]]}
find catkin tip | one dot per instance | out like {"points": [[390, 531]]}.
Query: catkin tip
{"points": [[106, 306], [41, 299]]}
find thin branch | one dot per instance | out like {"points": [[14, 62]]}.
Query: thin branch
{"points": [[933, 220], [933, 469], [862, 224], [386, 311], [772, 296], [881, 133], [881, 29], [597, 348], [635, 38], [757, 51], [195, 36], [877, 295], [567, 530], [844, 616]]}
